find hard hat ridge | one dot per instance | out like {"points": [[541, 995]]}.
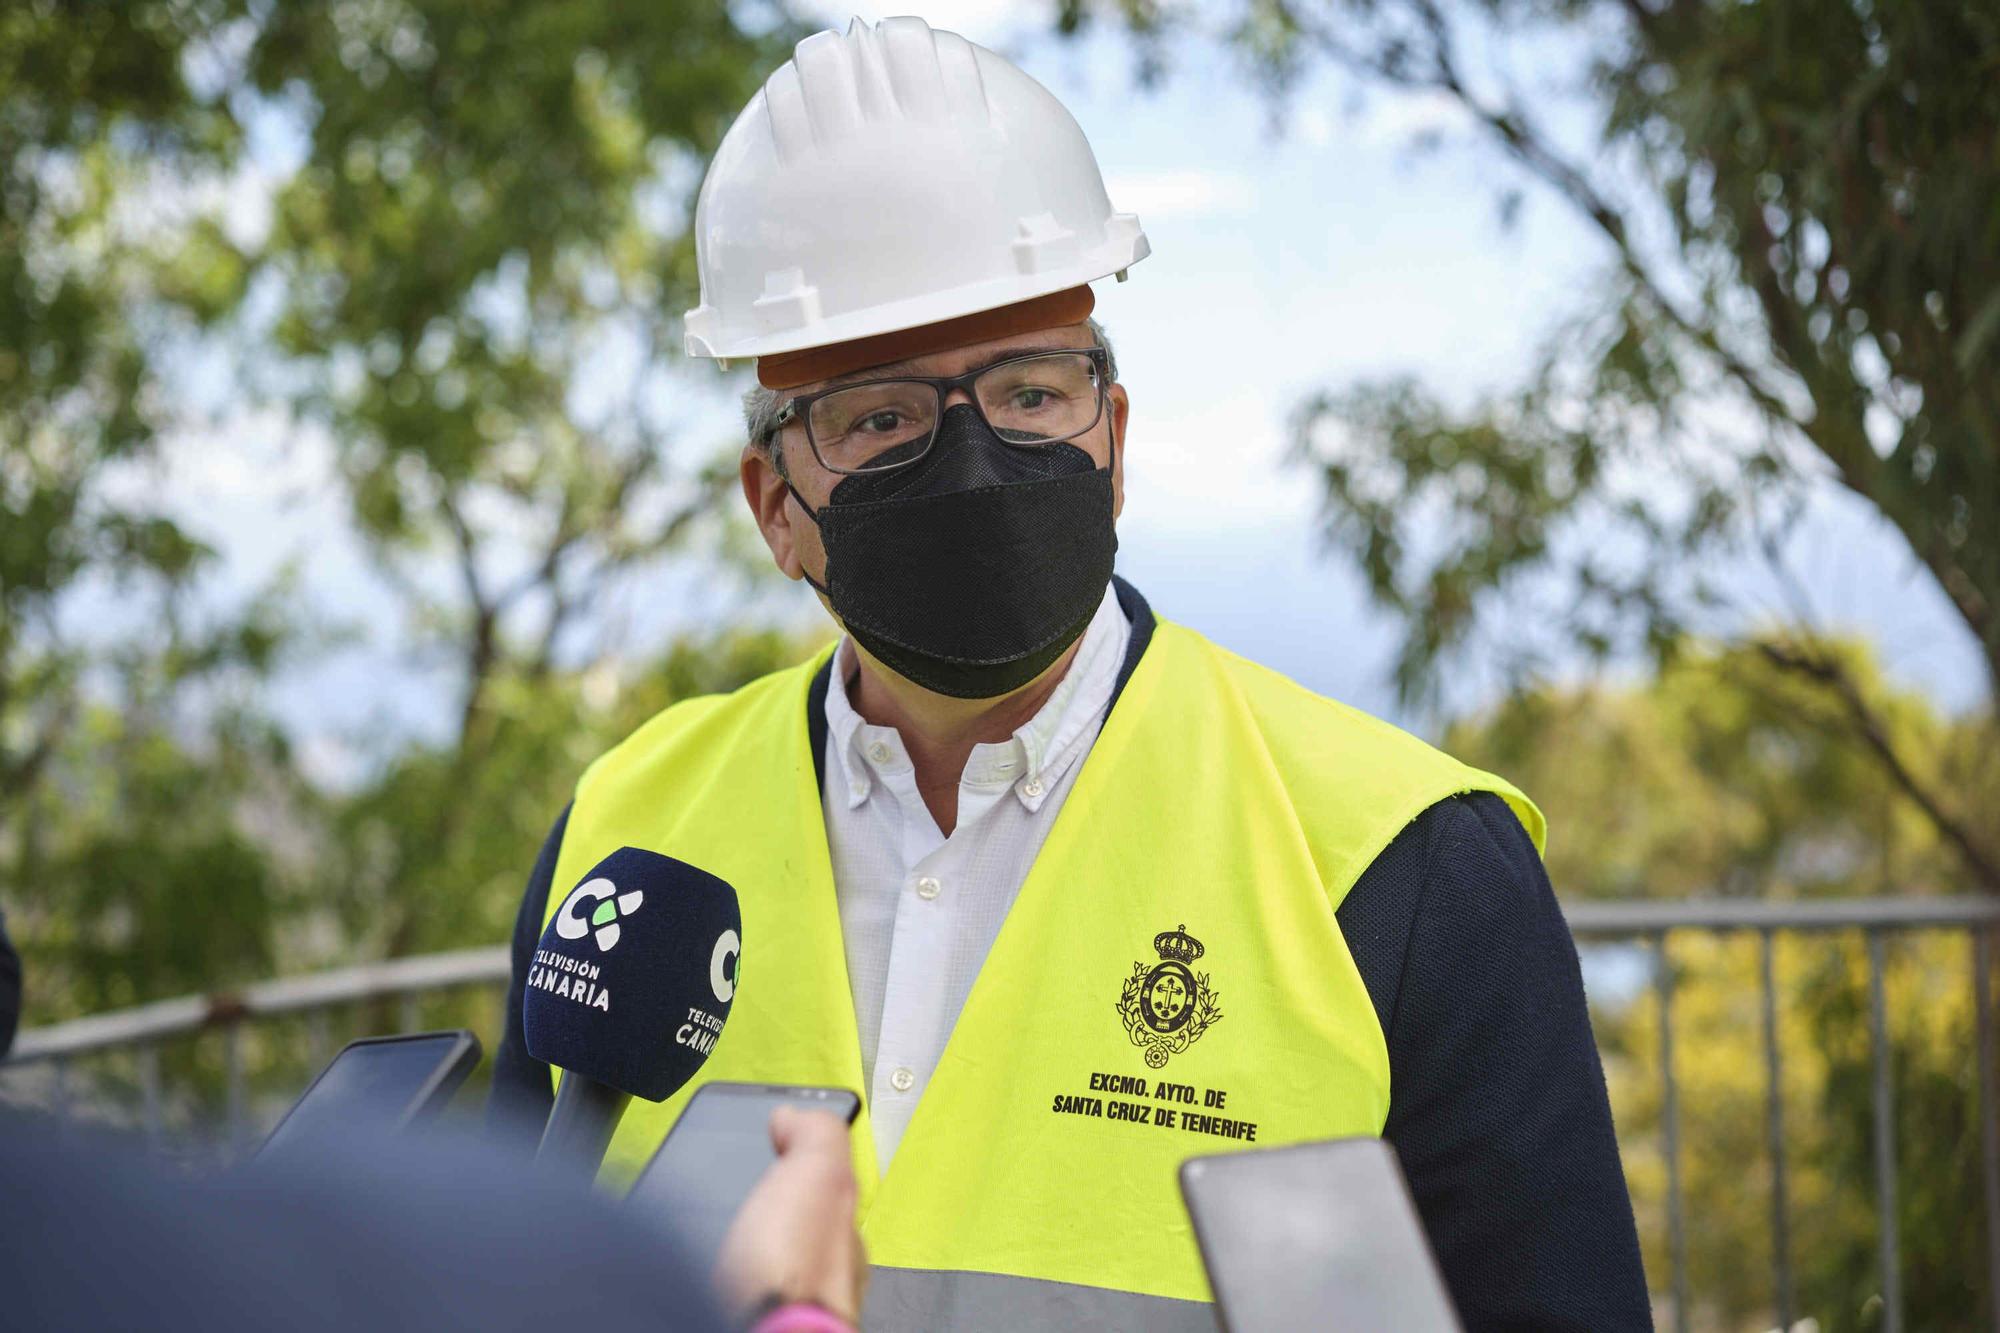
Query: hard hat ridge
{"points": [[892, 176], [836, 85]]}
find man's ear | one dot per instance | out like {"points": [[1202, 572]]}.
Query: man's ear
{"points": [[1121, 411], [766, 493]]}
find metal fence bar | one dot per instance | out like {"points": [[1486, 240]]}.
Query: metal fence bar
{"points": [[1636, 919], [150, 1119], [409, 1013], [317, 1039], [1774, 1114], [1670, 1131], [490, 966], [234, 1116], [1989, 1109], [1885, 1137], [287, 995]]}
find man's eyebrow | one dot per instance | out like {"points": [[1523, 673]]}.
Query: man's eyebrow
{"points": [[889, 370]]}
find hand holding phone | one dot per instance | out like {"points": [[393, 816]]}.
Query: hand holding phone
{"points": [[717, 1152], [795, 1238]]}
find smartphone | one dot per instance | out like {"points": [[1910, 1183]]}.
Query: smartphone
{"points": [[715, 1154], [1318, 1235], [378, 1085]]}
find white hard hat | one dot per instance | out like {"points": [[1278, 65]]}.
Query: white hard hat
{"points": [[889, 177]]}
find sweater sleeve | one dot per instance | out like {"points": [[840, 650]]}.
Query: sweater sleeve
{"points": [[519, 1104], [1497, 1102]]}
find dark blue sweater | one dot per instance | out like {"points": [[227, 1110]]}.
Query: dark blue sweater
{"points": [[1497, 1104]]}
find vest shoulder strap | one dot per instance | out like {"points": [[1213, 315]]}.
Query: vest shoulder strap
{"points": [[1354, 780], [699, 733]]}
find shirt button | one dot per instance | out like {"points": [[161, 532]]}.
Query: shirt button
{"points": [[1031, 788], [902, 1080], [879, 753], [928, 887]]}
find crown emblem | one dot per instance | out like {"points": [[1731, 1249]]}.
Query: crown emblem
{"points": [[1177, 946], [1166, 1006]]}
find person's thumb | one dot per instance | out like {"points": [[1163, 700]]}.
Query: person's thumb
{"points": [[794, 1129]]}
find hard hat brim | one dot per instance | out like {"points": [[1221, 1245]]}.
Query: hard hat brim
{"points": [[788, 370]]}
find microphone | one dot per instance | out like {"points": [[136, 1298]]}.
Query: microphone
{"points": [[631, 984]]}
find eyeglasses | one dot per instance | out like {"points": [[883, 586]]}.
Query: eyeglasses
{"points": [[1030, 401]]}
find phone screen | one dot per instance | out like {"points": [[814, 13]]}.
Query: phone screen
{"points": [[377, 1085], [715, 1153]]}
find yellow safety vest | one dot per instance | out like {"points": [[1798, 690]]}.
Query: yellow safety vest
{"points": [[1170, 981]]}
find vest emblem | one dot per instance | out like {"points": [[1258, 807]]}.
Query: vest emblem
{"points": [[1168, 1005]]}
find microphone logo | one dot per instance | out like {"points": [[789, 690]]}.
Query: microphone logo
{"points": [[611, 906], [721, 976]]}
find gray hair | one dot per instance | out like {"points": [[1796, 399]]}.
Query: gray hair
{"points": [[760, 405]]}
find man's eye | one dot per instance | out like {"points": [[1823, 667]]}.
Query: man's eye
{"points": [[879, 423], [1030, 399]]}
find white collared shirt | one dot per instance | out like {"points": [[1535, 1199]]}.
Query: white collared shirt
{"points": [[918, 910]]}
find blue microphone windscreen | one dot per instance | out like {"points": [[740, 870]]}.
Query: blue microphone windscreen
{"points": [[633, 976]]}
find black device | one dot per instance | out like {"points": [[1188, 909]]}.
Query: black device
{"points": [[377, 1085], [631, 983], [715, 1154], [1316, 1235]]}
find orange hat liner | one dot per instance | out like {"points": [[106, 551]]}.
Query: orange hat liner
{"points": [[788, 370]]}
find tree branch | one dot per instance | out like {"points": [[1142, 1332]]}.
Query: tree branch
{"points": [[1838, 431], [1518, 136], [481, 648], [17, 776], [1874, 733]]}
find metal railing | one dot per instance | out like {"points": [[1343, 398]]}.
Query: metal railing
{"points": [[1655, 922], [1652, 924], [144, 1029]]}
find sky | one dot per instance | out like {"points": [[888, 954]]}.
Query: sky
{"points": [[1281, 263]]}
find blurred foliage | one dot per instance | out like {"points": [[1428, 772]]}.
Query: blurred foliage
{"points": [[92, 110], [142, 866], [448, 239], [1798, 205], [1720, 775], [1821, 989], [162, 869], [494, 202], [433, 854], [1727, 776]]}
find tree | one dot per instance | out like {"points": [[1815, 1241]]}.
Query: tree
{"points": [[493, 212], [475, 253], [1798, 205], [90, 108], [101, 851], [1709, 777], [1722, 776]]}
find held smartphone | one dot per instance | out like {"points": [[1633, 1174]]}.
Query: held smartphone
{"points": [[715, 1154], [378, 1085], [1320, 1235]]}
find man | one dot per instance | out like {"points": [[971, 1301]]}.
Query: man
{"points": [[1068, 892]]}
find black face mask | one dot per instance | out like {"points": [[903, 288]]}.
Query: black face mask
{"points": [[973, 569]]}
